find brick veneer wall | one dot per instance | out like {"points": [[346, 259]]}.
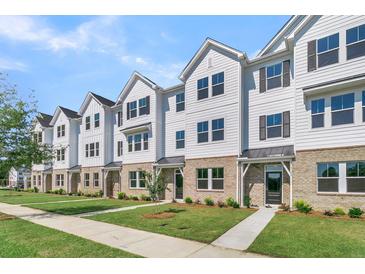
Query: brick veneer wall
{"points": [[230, 178], [91, 188], [54, 173], [125, 177], [305, 177]]}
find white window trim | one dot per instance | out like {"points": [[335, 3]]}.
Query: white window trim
{"points": [[142, 142], [94, 179], [138, 180], [201, 132], [344, 109], [199, 89], [318, 113], [176, 140], [119, 148], [141, 107], [281, 125], [358, 34], [210, 180], [136, 109], [268, 78], [87, 180], [220, 129], [179, 103], [95, 120], [222, 83], [87, 123]]}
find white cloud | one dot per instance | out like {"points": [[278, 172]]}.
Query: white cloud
{"points": [[164, 35], [140, 60], [8, 64]]}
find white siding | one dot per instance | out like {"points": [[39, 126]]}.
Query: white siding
{"points": [[62, 142], [337, 136], [118, 136], [270, 102], [47, 138], [139, 90], [222, 106], [173, 121]]}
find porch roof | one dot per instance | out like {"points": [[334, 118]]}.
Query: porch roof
{"points": [[136, 128], [177, 161], [76, 168], [48, 170], [114, 165], [267, 154]]}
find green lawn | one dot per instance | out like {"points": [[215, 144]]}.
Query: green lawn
{"points": [[15, 197], [199, 223], [21, 239], [302, 236], [85, 206]]}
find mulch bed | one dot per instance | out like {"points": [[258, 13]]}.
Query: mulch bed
{"points": [[320, 214], [4, 217]]}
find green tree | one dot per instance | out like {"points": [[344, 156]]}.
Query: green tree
{"points": [[155, 184], [17, 115]]}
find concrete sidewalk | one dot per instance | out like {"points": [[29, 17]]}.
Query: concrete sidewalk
{"points": [[64, 201], [241, 236], [139, 242]]}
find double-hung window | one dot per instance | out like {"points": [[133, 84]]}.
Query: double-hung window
{"points": [[218, 84], [87, 123], [92, 150], [58, 152], [274, 75], [218, 129], [145, 141], [202, 128], [137, 179], [180, 102], [210, 178], [355, 177], [142, 106], [363, 106], [342, 107], [96, 179], [274, 125], [327, 50], [355, 42], [97, 149], [180, 139], [137, 142], [328, 177], [130, 143], [39, 137], [39, 180], [317, 108], [120, 118], [62, 154], [59, 180], [133, 179], [203, 90], [96, 120], [120, 148], [86, 179], [133, 109], [141, 179], [87, 150], [61, 131]]}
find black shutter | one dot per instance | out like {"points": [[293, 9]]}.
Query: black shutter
{"points": [[286, 124], [128, 111], [312, 55], [286, 73], [147, 105], [263, 127], [262, 79]]}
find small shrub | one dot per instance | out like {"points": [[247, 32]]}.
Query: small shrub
{"points": [[70, 194], [61, 191], [79, 193], [208, 201], [135, 198], [144, 197], [100, 193], [284, 207], [130, 197], [355, 212], [87, 195], [247, 201], [339, 211], [188, 200], [36, 189], [221, 204], [328, 213], [55, 191], [230, 201], [121, 195], [236, 205], [302, 206], [49, 191]]}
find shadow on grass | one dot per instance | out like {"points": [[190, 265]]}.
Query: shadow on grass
{"points": [[79, 209], [174, 210]]}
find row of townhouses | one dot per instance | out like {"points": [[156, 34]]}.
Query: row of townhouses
{"points": [[288, 124]]}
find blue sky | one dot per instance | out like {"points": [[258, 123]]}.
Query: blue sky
{"points": [[61, 58]]}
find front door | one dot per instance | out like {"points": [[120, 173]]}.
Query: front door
{"points": [[273, 187], [179, 182]]}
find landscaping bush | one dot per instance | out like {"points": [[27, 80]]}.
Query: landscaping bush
{"points": [[36, 189], [135, 198], [100, 193], [339, 211], [221, 204], [302, 206], [49, 191], [247, 201], [121, 195], [236, 205], [61, 191], [144, 197], [188, 200], [209, 201], [355, 212], [328, 213], [79, 193], [70, 194], [130, 197], [230, 201]]}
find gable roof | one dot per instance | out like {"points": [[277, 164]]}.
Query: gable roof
{"points": [[44, 119], [100, 99], [71, 114], [135, 76], [209, 42]]}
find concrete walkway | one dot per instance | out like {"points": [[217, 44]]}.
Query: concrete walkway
{"points": [[93, 213], [64, 201], [241, 236], [139, 242]]}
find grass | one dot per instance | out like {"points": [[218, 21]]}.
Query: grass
{"points": [[23, 239], [20, 197], [85, 206], [193, 222], [305, 236]]}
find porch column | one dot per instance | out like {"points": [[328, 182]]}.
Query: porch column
{"points": [[120, 179], [243, 174], [104, 175], [289, 172]]}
